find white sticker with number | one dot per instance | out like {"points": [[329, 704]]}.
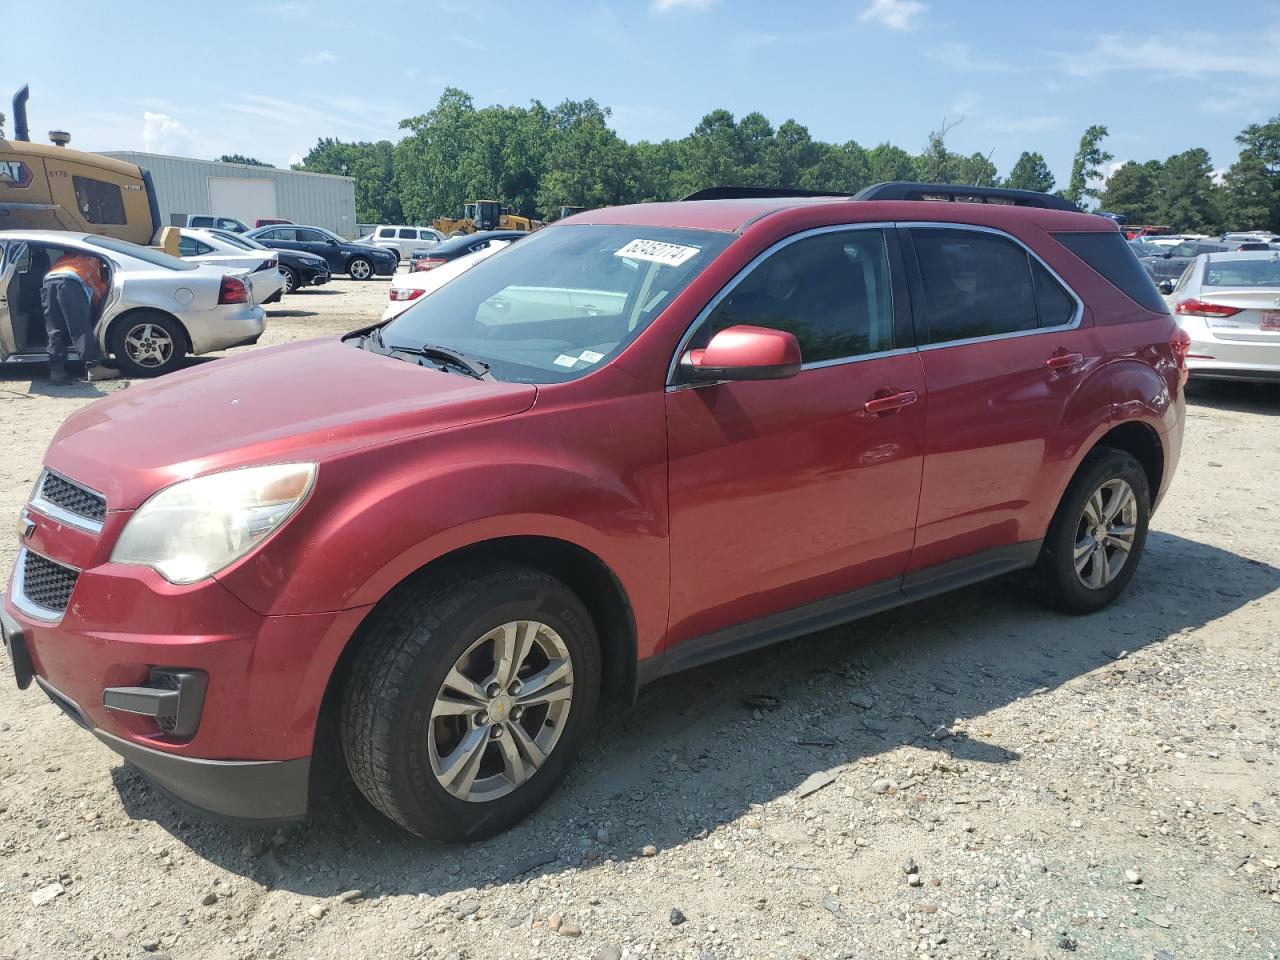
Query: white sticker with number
{"points": [[655, 251]]}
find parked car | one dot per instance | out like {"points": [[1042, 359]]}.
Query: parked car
{"points": [[462, 246], [1255, 236], [268, 221], [406, 241], [158, 310], [1169, 263], [409, 287], [297, 268], [646, 439], [207, 221], [260, 269], [355, 260], [1229, 304]]}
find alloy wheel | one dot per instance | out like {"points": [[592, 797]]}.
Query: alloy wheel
{"points": [[500, 711], [149, 345], [360, 269], [1105, 533]]}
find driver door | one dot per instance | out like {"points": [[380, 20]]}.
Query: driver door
{"points": [[12, 253]]}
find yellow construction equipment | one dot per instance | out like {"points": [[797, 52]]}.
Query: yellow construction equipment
{"points": [[483, 215], [52, 187]]}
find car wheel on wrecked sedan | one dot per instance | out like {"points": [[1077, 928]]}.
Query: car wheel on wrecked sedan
{"points": [[529, 495]]}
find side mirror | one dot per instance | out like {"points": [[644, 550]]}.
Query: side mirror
{"points": [[1165, 287], [744, 353]]}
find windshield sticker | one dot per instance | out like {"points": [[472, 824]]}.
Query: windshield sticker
{"points": [[565, 361], [655, 251], [590, 356]]}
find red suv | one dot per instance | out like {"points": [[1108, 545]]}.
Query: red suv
{"points": [[639, 440]]}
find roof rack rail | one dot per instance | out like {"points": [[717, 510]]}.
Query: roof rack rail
{"points": [[757, 193], [907, 190]]}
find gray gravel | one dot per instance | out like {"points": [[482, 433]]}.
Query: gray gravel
{"points": [[970, 777]]}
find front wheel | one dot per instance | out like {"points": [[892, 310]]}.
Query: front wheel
{"points": [[469, 699], [291, 281], [360, 269], [147, 344], [1097, 536]]}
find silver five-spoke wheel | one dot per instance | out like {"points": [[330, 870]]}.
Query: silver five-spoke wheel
{"points": [[500, 711], [149, 345], [1104, 536]]}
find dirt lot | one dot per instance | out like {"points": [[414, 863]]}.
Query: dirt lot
{"points": [[969, 777]]}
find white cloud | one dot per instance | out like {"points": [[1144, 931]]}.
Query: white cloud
{"points": [[1187, 54], [959, 56], [470, 43], [163, 134], [318, 57], [1019, 125], [895, 14], [295, 158], [662, 6], [965, 104], [1109, 169]]}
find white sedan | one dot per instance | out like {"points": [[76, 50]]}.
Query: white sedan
{"points": [[407, 288], [260, 269], [157, 309], [1229, 303]]}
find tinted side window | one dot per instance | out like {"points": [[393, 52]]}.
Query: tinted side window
{"points": [[387, 232], [408, 234], [1108, 254], [832, 290], [186, 247], [99, 202], [1057, 307], [975, 284], [311, 236]]}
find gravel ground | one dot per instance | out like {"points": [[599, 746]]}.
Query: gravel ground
{"points": [[968, 777]]}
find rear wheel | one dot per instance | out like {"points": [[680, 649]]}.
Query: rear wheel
{"points": [[147, 344], [1097, 536], [359, 268], [468, 701]]}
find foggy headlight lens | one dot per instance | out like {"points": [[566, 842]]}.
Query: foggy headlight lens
{"points": [[193, 529]]}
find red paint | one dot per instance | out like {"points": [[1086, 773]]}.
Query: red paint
{"points": [[711, 505]]}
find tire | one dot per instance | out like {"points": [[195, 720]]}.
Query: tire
{"points": [[395, 746], [291, 281], [1105, 472], [358, 268], [147, 343]]}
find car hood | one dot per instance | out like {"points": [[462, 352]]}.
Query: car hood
{"points": [[303, 401]]}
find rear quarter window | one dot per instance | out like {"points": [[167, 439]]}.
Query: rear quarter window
{"points": [[1107, 253]]}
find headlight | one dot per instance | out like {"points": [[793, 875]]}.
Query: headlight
{"points": [[196, 527]]}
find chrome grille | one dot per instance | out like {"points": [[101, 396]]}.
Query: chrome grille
{"points": [[45, 583], [70, 496]]}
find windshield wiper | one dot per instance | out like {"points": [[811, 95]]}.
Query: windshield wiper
{"points": [[447, 357]]}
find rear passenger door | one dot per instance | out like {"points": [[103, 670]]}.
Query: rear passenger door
{"points": [[1004, 354]]}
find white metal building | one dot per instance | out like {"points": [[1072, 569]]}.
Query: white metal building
{"points": [[247, 192]]}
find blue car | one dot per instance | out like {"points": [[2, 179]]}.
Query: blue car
{"points": [[356, 260]]}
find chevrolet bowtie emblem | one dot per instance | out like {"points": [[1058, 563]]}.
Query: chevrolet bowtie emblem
{"points": [[26, 526]]}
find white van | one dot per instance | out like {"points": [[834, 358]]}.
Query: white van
{"points": [[406, 240]]}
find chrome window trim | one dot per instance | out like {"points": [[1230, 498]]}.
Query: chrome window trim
{"points": [[19, 592], [1076, 318], [61, 514], [673, 366]]}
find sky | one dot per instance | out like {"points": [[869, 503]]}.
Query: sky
{"points": [[268, 78]]}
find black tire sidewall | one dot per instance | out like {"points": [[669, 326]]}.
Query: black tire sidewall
{"points": [[119, 331], [1060, 585], [424, 806], [353, 261]]}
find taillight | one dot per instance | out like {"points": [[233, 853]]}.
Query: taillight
{"points": [[429, 263], [404, 293], [1198, 308], [1180, 344], [233, 290]]}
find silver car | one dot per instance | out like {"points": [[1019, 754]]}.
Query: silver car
{"points": [[1230, 305], [157, 309]]}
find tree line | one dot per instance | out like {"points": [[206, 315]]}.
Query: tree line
{"points": [[537, 159]]}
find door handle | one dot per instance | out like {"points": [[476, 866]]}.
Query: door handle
{"points": [[887, 400], [1062, 360]]}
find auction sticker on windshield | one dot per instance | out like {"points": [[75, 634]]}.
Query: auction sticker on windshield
{"points": [[655, 251]]}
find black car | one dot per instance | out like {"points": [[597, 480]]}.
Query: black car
{"points": [[456, 247], [299, 269], [355, 260], [1171, 261]]}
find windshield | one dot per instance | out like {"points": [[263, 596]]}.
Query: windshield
{"points": [[238, 240], [560, 302], [154, 257], [1243, 273]]}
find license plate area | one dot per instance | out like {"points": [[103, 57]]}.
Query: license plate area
{"points": [[1270, 320]]}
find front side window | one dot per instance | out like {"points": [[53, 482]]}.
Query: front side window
{"points": [[98, 201], [562, 301], [831, 290], [975, 284]]}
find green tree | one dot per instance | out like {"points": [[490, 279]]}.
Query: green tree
{"points": [[1251, 187], [1030, 172], [1187, 198], [587, 163], [937, 164], [1086, 167], [976, 170], [840, 169], [372, 166], [433, 162], [1133, 190], [886, 163], [240, 158], [1, 124]]}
